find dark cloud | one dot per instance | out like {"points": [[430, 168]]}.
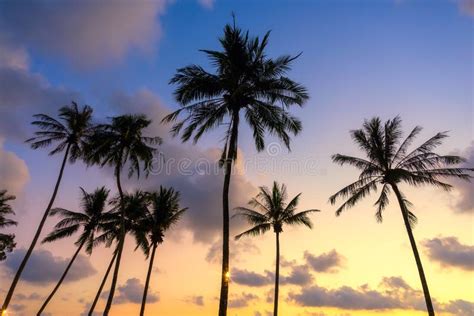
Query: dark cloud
{"points": [[450, 253], [13, 171], [32, 296], [238, 250], [465, 199], [132, 292], [249, 278], [299, 275], [23, 94], [466, 7], [192, 171], [44, 268], [85, 33], [326, 262], [459, 308], [242, 300], [392, 293], [196, 300]]}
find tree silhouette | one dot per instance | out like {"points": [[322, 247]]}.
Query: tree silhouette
{"points": [[92, 218], [272, 211], [69, 133], [245, 81], [7, 241], [116, 144], [388, 164]]}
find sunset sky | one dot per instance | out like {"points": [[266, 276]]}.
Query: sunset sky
{"points": [[359, 59]]}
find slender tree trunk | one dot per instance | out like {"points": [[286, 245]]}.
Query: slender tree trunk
{"points": [[37, 235], [97, 296], [61, 279], [224, 294], [120, 245], [277, 276], [147, 282], [424, 283]]}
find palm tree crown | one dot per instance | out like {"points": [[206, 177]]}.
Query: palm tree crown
{"points": [[272, 211], [389, 162], [72, 128], [92, 219], [6, 240], [122, 141], [246, 79]]}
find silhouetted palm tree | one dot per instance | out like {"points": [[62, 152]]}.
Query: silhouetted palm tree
{"points": [[68, 133], [92, 219], [389, 164], [7, 241], [164, 212], [135, 207], [245, 81], [116, 144], [272, 211]]}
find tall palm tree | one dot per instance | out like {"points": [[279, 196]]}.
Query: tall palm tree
{"points": [[245, 81], [92, 219], [272, 211], [388, 163], [164, 212], [68, 133], [117, 144], [135, 208], [7, 241]]}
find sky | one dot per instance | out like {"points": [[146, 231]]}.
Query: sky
{"points": [[359, 59]]}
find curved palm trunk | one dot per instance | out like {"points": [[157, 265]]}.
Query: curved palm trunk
{"points": [[224, 294], [61, 279], [97, 296], [147, 282], [277, 275], [424, 283], [120, 246], [37, 235]]}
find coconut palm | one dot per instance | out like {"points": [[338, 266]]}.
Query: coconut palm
{"points": [[117, 144], [245, 82], [7, 241], [388, 164], [164, 212], [91, 219], [68, 134], [272, 211], [135, 206]]}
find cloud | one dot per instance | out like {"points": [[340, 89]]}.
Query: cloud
{"points": [[208, 4], [242, 300], [238, 250], [85, 33], [32, 296], [326, 262], [299, 275], [13, 171], [190, 170], [459, 307], [389, 296], [466, 7], [44, 268], [23, 94], [450, 253], [465, 200], [132, 292], [249, 278], [196, 300]]}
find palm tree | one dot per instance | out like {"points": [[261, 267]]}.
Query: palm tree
{"points": [[272, 211], [116, 144], [68, 133], [91, 219], [245, 80], [165, 211], [7, 241], [389, 164]]}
